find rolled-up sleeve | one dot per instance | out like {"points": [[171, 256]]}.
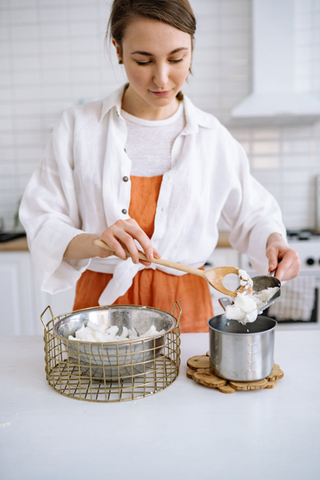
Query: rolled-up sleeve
{"points": [[49, 212], [251, 211]]}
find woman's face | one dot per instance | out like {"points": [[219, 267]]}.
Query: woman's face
{"points": [[157, 58]]}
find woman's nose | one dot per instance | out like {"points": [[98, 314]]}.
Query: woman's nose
{"points": [[160, 76]]}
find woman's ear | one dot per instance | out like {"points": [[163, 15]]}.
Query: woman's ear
{"points": [[118, 49]]}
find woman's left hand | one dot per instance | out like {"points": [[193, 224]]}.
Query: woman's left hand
{"points": [[281, 258]]}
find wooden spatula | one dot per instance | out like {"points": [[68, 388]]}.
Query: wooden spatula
{"points": [[214, 277]]}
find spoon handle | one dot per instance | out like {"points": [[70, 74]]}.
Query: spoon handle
{"points": [[158, 261]]}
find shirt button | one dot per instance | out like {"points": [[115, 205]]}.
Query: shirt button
{"points": [[118, 114], [125, 179], [125, 150], [124, 211]]}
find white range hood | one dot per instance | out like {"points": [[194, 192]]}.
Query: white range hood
{"points": [[275, 99]]}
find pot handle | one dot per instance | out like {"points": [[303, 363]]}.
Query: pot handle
{"points": [[224, 302], [177, 304], [42, 314]]}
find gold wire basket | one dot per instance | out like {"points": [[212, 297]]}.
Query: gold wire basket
{"points": [[112, 371]]}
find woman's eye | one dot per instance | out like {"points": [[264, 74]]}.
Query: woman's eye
{"points": [[178, 60], [143, 63]]}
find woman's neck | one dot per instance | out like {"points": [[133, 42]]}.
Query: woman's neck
{"points": [[135, 105]]}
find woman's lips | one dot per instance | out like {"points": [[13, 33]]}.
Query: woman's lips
{"points": [[160, 94]]}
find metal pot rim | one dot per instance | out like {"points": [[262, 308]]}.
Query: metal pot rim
{"points": [[246, 333], [110, 307]]}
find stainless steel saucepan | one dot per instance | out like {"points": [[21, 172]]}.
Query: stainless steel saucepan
{"points": [[239, 352]]}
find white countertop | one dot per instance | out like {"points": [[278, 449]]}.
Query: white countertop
{"points": [[186, 432]]}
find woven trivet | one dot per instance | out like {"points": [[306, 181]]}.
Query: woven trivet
{"points": [[200, 372]]}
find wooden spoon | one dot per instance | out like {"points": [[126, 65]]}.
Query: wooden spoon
{"points": [[214, 277]]}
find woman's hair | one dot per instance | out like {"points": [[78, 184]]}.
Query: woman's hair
{"points": [[177, 13]]}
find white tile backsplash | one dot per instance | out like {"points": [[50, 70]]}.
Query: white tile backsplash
{"points": [[297, 162], [265, 162], [53, 54], [266, 148], [22, 16], [23, 4]]}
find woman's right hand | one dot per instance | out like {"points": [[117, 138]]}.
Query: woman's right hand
{"points": [[123, 233]]}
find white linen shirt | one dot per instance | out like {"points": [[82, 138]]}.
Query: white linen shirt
{"points": [[79, 188]]}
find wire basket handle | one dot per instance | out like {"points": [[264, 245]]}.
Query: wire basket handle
{"points": [[177, 304], [42, 314]]}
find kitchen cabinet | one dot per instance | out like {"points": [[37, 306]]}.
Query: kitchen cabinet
{"points": [[21, 299], [16, 294]]}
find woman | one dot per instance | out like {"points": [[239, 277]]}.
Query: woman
{"points": [[145, 169]]}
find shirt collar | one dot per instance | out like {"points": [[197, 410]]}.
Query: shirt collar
{"points": [[194, 116], [113, 100]]}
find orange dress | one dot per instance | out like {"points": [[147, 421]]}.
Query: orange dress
{"points": [[152, 288]]}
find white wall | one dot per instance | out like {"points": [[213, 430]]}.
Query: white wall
{"points": [[52, 54]]}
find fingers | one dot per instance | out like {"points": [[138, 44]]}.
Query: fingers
{"points": [[272, 256], [102, 250], [289, 267], [285, 261], [121, 238]]}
